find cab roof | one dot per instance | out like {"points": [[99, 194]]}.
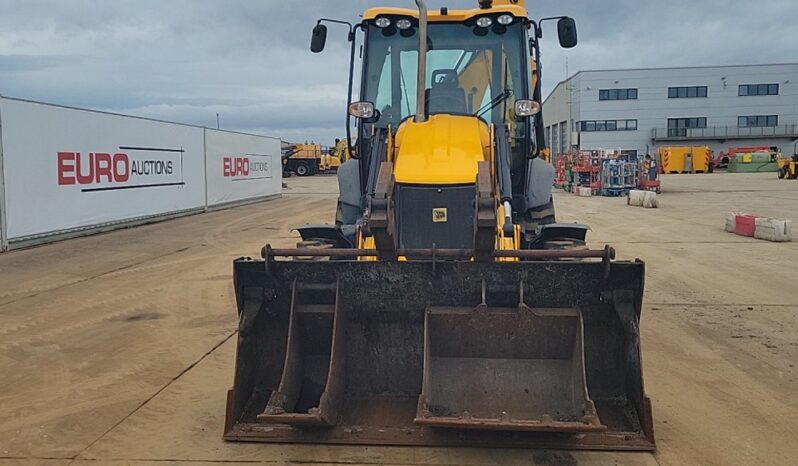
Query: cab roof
{"points": [[436, 15]]}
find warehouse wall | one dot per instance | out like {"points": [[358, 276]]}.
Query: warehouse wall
{"points": [[652, 108], [67, 171]]}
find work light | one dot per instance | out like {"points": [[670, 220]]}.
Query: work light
{"points": [[403, 24], [504, 20], [525, 108], [484, 22]]}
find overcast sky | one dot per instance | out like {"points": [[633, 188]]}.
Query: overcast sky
{"points": [[186, 60]]}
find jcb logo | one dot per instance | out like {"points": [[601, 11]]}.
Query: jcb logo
{"points": [[440, 215]]}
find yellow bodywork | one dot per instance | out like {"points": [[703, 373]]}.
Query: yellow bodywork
{"points": [[788, 168], [307, 151], [341, 151], [444, 150], [329, 162], [685, 159]]}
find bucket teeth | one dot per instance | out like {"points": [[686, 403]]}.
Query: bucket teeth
{"points": [[310, 387]]}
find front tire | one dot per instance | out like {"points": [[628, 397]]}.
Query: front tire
{"points": [[537, 217]]}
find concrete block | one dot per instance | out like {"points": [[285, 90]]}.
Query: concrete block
{"points": [[647, 199], [731, 222], [772, 229]]}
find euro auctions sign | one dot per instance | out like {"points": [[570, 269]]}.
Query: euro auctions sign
{"points": [[128, 168], [241, 166], [248, 167]]}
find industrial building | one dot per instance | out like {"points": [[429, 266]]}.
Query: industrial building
{"points": [[639, 110]]}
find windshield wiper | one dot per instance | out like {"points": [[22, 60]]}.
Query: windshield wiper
{"points": [[495, 102]]}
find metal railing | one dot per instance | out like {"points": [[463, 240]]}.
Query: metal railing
{"points": [[724, 132]]}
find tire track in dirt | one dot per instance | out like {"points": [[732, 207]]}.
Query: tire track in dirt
{"points": [[34, 292], [154, 395]]}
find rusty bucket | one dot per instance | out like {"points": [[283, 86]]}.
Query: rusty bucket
{"points": [[433, 352]]}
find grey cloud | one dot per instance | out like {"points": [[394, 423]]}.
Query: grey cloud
{"points": [[186, 60]]}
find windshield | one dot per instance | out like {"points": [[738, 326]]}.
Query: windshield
{"points": [[470, 71]]}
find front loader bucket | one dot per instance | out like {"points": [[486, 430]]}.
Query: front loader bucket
{"points": [[539, 354]]}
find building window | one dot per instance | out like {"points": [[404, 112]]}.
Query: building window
{"points": [[618, 94], [554, 139], [758, 121], [563, 142], [758, 89], [607, 125], [687, 92], [677, 127]]}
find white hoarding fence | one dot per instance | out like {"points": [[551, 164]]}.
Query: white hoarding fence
{"points": [[241, 167], [72, 168], [67, 170]]}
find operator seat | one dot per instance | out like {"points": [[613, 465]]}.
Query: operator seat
{"points": [[446, 95]]}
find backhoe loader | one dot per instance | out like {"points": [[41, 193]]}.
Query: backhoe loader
{"points": [[445, 307]]}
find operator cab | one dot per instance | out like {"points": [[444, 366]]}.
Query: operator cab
{"points": [[480, 65], [476, 67]]}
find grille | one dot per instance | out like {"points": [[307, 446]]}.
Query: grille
{"points": [[439, 215]]}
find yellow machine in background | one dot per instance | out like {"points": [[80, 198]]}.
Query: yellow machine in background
{"points": [[685, 159], [452, 310], [787, 165], [309, 159]]}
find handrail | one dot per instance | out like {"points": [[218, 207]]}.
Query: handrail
{"points": [[421, 83], [725, 132]]}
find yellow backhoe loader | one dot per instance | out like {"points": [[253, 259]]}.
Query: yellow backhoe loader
{"points": [[446, 306]]}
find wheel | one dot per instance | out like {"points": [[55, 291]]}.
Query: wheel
{"points": [[783, 173], [539, 216], [302, 169]]}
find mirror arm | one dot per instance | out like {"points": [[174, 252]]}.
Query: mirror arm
{"points": [[538, 31], [550, 18], [338, 21], [537, 94], [350, 38], [349, 93]]}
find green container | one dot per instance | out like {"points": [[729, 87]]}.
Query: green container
{"points": [[756, 162]]}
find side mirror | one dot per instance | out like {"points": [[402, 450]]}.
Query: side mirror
{"points": [[319, 39], [566, 29]]}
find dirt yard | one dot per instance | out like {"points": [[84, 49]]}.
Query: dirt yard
{"points": [[118, 348]]}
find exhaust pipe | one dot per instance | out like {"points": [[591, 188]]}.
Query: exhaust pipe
{"points": [[421, 84]]}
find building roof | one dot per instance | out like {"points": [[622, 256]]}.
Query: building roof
{"points": [[662, 69]]}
